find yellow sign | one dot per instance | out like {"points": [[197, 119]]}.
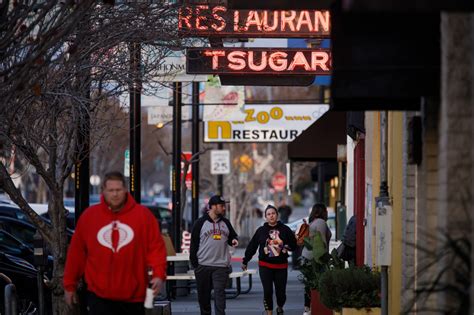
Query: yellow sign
{"points": [[263, 123]]}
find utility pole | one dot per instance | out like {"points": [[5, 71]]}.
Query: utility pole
{"points": [[135, 121], [220, 177], [176, 168], [195, 150], [383, 214]]}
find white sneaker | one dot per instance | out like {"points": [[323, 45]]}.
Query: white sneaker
{"points": [[307, 311]]}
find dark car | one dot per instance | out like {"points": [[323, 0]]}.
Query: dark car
{"points": [[12, 211], [11, 245], [22, 230], [24, 233], [15, 247], [163, 215], [23, 275], [70, 219]]}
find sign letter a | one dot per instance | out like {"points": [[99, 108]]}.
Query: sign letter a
{"points": [[213, 129]]}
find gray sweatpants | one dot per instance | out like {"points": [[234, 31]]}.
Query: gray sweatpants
{"points": [[208, 278]]}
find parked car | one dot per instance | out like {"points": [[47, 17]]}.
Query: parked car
{"points": [[163, 202], [163, 215], [15, 247], [23, 275], [70, 219], [6, 200], [22, 230], [12, 211]]}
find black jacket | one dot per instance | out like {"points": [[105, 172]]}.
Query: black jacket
{"points": [[273, 243]]}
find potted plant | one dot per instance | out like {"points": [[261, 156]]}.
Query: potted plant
{"points": [[354, 291], [312, 271]]}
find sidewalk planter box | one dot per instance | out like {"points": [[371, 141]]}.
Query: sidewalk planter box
{"points": [[362, 311], [318, 308], [355, 290]]}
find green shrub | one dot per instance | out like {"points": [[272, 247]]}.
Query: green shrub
{"points": [[312, 270], [354, 287]]}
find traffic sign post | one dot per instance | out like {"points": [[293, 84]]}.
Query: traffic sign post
{"points": [[126, 165], [279, 182], [220, 162], [189, 175]]}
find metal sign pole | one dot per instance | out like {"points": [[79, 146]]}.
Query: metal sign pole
{"points": [[220, 177], [195, 149], [135, 122], [176, 170]]}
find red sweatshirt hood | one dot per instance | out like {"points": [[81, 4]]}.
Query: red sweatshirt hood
{"points": [[129, 204]]}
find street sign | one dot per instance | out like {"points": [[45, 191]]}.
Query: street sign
{"points": [[126, 165], [159, 114], [279, 181], [185, 242], [262, 61], [260, 123], [173, 69], [383, 230], [220, 162], [189, 173], [219, 21]]}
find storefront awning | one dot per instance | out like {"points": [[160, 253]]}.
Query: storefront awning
{"points": [[319, 142]]}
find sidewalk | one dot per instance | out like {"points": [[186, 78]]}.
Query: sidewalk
{"points": [[247, 304]]}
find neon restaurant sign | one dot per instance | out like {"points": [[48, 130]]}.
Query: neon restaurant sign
{"points": [[205, 20], [285, 61]]}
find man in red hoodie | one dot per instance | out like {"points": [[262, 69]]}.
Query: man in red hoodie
{"points": [[114, 244]]}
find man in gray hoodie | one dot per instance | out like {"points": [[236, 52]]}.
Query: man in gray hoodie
{"points": [[211, 237]]}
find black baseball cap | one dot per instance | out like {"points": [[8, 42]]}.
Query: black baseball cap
{"points": [[216, 200]]}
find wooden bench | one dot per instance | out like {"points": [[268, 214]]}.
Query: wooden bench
{"points": [[237, 275]]}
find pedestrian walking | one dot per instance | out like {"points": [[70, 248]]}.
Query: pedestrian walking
{"points": [[211, 236], [113, 246], [273, 240], [284, 212], [347, 249], [317, 224]]}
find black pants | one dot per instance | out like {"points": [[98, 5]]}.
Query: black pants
{"points": [[100, 306], [270, 277], [307, 297], [208, 278]]}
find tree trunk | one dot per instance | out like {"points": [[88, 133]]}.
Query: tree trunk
{"points": [[59, 305], [59, 251]]}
